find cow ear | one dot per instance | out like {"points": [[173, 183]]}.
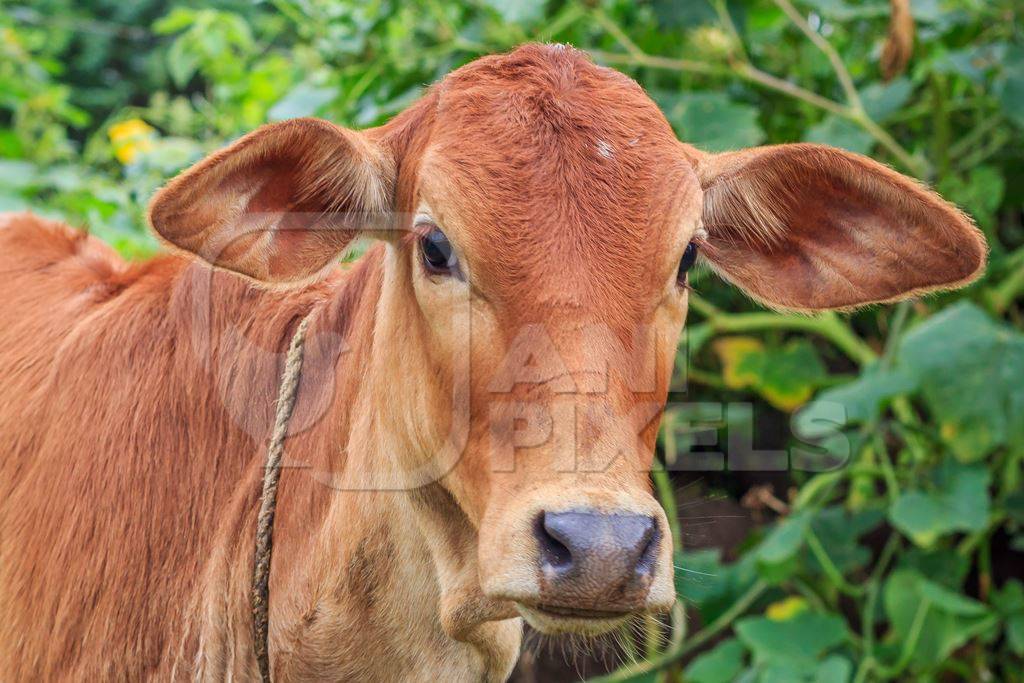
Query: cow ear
{"points": [[810, 227], [280, 204]]}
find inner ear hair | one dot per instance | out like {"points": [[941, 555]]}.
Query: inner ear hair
{"points": [[810, 227], [280, 204]]}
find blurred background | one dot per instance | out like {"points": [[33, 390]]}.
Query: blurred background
{"points": [[904, 562]]}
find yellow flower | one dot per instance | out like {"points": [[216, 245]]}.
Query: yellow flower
{"points": [[786, 609], [131, 137]]}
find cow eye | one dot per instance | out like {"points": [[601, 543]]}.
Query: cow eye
{"points": [[437, 253], [685, 263]]}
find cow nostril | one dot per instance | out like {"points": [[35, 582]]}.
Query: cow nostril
{"points": [[596, 558], [553, 550], [648, 555]]}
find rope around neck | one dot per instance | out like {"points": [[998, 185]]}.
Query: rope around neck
{"points": [[268, 500]]}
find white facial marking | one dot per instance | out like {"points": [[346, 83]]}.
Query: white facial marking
{"points": [[604, 149]]}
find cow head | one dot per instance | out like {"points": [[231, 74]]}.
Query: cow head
{"points": [[543, 219]]}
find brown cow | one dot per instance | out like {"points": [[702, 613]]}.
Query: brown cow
{"points": [[481, 391]]}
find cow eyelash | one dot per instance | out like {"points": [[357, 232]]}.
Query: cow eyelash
{"points": [[686, 262], [437, 256]]}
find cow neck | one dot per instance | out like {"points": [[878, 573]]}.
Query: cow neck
{"points": [[438, 575]]}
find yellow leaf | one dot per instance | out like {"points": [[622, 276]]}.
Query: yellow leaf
{"points": [[132, 128], [127, 152], [786, 609], [787, 401], [733, 352], [129, 138]]}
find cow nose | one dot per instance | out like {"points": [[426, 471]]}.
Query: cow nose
{"points": [[596, 561]]}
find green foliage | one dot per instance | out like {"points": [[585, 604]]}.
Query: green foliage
{"points": [[954, 498], [881, 568]]}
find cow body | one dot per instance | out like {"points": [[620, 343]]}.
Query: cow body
{"points": [[136, 408], [478, 405]]}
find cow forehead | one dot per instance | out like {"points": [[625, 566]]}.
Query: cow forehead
{"points": [[567, 184]]}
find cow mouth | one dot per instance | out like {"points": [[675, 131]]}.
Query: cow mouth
{"points": [[553, 620]]}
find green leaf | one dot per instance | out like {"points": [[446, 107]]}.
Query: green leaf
{"points": [[784, 540], [742, 359], [957, 500], [969, 368], [797, 641], [1009, 602], [1010, 85], [834, 669], [790, 374], [980, 193], [176, 20], [182, 62], [840, 132], [781, 672], [882, 100], [838, 530], [304, 99], [16, 174], [941, 565], [844, 11], [776, 556], [947, 624], [518, 11], [1014, 504], [949, 602], [786, 376], [861, 400], [13, 203], [722, 665], [712, 587], [711, 121], [1015, 633], [973, 62], [674, 14], [695, 336]]}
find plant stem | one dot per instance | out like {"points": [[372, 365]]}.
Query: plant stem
{"points": [[909, 645], [569, 16], [899, 321], [656, 62], [667, 495], [827, 325], [723, 16], [831, 570], [700, 638], [752, 73], [969, 141], [845, 80], [892, 485], [980, 154], [743, 68], [1006, 291], [825, 482], [811, 596], [919, 167]]}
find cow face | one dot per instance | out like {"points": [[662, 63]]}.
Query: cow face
{"points": [[540, 220]]}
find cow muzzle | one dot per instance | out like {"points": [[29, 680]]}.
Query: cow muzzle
{"points": [[592, 561], [582, 570]]}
